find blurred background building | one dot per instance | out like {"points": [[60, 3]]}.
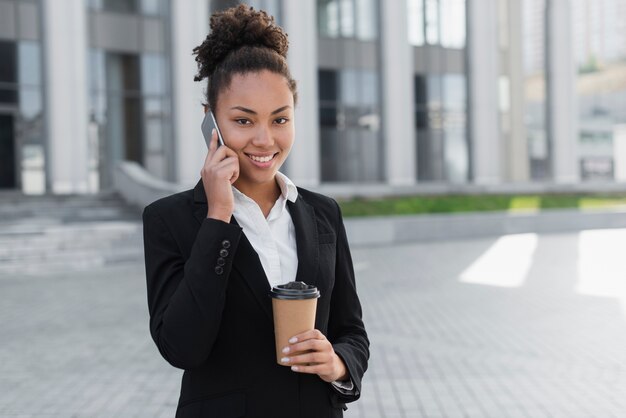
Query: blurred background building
{"points": [[398, 92]]}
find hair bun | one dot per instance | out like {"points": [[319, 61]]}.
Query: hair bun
{"points": [[234, 28]]}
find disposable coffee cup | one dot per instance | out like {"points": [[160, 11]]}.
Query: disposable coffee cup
{"points": [[294, 305]]}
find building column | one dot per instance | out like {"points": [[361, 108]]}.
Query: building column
{"points": [[190, 25], [518, 166], [483, 55], [303, 164], [65, 74], [398, 102], [561, 88]]}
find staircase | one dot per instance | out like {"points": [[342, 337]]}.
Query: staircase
{"points": [[48, 234]]}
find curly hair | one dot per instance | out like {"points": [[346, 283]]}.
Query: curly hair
{"points": [[241, 40]]}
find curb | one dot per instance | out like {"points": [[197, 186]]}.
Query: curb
{"points": [[369, 231]]}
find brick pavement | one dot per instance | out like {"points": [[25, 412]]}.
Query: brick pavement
{"points": [[76, 344]]}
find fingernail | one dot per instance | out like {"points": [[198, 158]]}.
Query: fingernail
{"points": [[286, 350], [293, 340], [212, 131], [285, 359], [294, 368]]}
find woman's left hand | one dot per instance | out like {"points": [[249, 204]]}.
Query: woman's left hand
{"points": [[321, 360]]}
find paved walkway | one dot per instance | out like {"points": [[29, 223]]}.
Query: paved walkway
{"points": [[521, 326]]}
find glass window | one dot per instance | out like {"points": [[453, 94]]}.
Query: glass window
{"points": [[366, 19], [432, 21], [8, 63], [454, 92], [29, 63], [350, 122], [328, 89], [154, 129], [453, 23], [416, 22], [8, 178], [328, 18], [350, 86], [152, 7], [96, 70], [346, 18], [153, 74], [30, 103], [434, 91]]}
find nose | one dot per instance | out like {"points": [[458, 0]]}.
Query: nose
{"points": [[263, 137]]}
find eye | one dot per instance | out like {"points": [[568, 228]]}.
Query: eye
{"points": [[281, 121], [242, 121]]}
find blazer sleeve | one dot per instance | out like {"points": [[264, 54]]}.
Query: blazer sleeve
{"points": [[345, 325], [186, 297]]}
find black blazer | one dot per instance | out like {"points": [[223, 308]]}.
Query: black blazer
{"points": [[215, 322]]}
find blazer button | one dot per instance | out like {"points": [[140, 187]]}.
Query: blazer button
{"points": [[226, 244], [221, 261], [219, 270], [223, 253]]}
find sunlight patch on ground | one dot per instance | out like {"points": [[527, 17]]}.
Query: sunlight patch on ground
{"points": [[602, 263], [506, 263]]}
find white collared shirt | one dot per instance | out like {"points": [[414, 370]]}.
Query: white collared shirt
{"points": [[274, 237]]}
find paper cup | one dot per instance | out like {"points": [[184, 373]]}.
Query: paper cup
{"points": [[294, 305]]}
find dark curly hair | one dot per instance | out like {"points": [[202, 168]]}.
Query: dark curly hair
{"points": [[241, 40]]}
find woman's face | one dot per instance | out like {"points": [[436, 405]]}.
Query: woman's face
{"points": [[255, 115]]}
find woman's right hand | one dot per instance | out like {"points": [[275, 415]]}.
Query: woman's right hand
{"points": [[220, 171]]}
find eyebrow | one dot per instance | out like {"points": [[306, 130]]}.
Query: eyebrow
{"points": [[252, 112]]}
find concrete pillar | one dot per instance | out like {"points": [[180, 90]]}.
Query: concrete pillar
{"points": [[561, 88], [518, 166], [190, 25], [65, 74], [398, 102], [303, 164], [483, 71]]}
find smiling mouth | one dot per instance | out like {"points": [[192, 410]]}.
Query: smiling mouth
{"points": [[264, 159]]}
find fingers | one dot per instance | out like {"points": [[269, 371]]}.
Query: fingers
{"points": [[308, 335], [313, 348], [218, 155], [312, 344], [213, 142], [228, 168], [317, 357]]}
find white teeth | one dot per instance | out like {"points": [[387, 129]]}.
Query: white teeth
{"points": [[261, 159]]}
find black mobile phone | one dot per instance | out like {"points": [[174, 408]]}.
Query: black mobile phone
{"points": [[207, 125]]}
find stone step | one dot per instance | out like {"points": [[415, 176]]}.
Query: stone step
{"points": [[37, 250], [44, 234], [70, 262]]}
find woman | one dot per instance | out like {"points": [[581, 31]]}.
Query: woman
{"points": [[213, 253]]}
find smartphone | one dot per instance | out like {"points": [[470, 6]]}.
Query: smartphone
{"points": [[207, 126]]}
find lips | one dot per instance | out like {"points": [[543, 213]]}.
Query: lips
{"points": [[261, 158]]}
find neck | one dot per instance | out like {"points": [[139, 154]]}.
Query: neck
{"points": [[263, 194]]}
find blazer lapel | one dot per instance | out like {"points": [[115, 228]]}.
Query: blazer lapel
{"points": [[249, 266], [246, 261], [303, 216]]}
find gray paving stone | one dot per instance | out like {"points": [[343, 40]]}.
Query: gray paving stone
{"points": [[76, 342]]}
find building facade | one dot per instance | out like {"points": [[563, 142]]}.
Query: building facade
{"points": [[399, 92]]}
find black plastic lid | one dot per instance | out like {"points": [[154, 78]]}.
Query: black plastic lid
{"points": [[294, 291]]}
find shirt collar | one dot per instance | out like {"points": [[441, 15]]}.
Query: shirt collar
{"points": [[288, 190]]}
